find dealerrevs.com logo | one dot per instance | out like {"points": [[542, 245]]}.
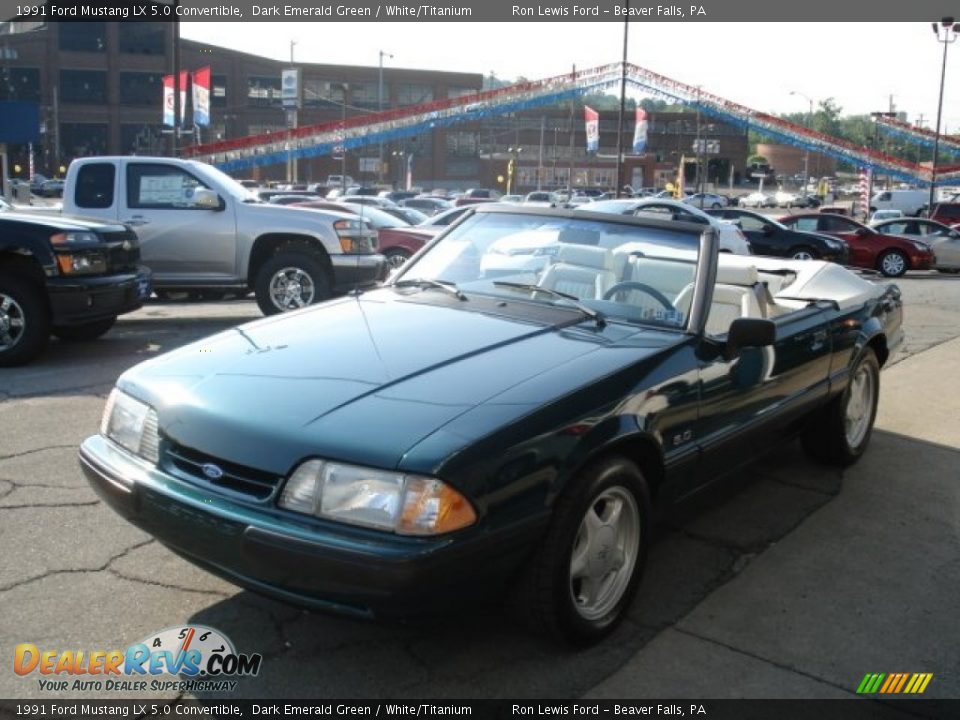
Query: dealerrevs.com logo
{"points": [[204, 658]]}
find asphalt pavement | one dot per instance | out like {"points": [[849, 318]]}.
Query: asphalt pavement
{"points": [[790, 580]]}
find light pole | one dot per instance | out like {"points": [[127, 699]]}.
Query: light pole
{"points": [[383, 55], [806, 151], [948, 35], [343, 146], [623, 99]]}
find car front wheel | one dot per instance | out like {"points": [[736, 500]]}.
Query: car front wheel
{"points": [[840, 432], [893, 263], [291, 279], [396, 257], [24, 321], [582, 578], [803, 253]]}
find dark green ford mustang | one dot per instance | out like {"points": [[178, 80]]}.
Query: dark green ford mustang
{"points": [[507, 412]]}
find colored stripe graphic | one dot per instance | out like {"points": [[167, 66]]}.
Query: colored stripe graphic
{"points": [[894, 683]]}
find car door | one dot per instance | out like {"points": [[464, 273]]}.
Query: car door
{"points": [[862, 250], [945, 244], [762, 242], [750, 401], [179, 241]]}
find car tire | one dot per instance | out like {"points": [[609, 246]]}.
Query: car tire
{"points": [[840, 432], [893, 263], [24, 320], [803, 252], [716, 206], [573, 589], [294, 277], [84, 332], [396, 257]]}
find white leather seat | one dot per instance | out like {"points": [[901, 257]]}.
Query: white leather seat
{"points": [[583, 271]]}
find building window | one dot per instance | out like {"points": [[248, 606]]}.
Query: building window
{"points": [[95, 186], [462, 144], [455, 92], [143, 38], [83, 139], [141, 89], [83, 86], [20, 84], [365, 95], [263, 91], [321, 93], [463, 168], [218, 93], [83, 36], [413, 94], [141, 139]]}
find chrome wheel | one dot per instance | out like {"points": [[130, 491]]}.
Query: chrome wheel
{"points": [[802, 255], [893, 264], [604, 553], [396, 260], [12, 322], [291, 288], [860, 400]]}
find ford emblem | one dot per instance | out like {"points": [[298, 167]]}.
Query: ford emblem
{"points": [[212, 471]]}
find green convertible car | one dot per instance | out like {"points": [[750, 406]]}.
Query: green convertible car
{"points": [[506, 413]]}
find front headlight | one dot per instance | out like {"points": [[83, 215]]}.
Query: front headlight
{"points": [[131, 424], [82, 263], [396, 502]]}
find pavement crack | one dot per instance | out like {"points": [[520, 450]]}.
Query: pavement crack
{"points": [[75, 571], [24, 453], [89, 503], [166, 586], [761, 658]]}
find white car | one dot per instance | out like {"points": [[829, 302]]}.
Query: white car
{"points": [[880, 215], [757, 200], [732, 238], [707, 200], [540, 199]]}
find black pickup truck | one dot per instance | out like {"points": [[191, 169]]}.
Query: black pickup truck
{"points": [[65, 276]]}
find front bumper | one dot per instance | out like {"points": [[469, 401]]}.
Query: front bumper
{"points": [[921, 261], [358, 271], [308, 562], [79, 300]]}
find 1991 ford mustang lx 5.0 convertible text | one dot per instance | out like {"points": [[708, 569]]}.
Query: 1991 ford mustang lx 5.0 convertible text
{"points": [[508, 411]]}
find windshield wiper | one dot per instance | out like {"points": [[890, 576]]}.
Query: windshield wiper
{"points": [[444, 285], [588, 311]]}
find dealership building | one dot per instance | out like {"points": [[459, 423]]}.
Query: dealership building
{"points": [[99, 89]]}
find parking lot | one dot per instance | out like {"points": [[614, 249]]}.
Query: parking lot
{"points": [[790, 581]]}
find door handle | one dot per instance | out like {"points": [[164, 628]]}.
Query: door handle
{"points": [[136, 220]]}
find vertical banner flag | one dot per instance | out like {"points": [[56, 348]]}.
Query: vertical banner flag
{"points": [[184, 76], [592, 119], [201, 97], [640, 132], [168, 100]]}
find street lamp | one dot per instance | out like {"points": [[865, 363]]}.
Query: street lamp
{"points": [[343, 147], [383, 55], [946, 33], [806, 151]]}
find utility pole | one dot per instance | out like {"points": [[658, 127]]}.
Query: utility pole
{"points": [[623, 99], [292, 165], [543, 124], [175, 135], [380, 109], [949, 36], [573, 77]]}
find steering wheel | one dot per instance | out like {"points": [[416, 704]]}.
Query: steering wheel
{"points": [[642, 287]]}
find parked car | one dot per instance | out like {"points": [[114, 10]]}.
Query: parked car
{"points": [[36, 183], [869, 247], [407, 214], [757, 199], [472, 436], [286, 199], [339, 181], [706, 200], [51, 188], [731, 237], [511, 199], [64, 276], [399, 244], [540, 199], [377, 218], [269, 195], [946, 213], [880, 215], [477, 195], [396, 196], [943, 240], [769, 237], [909, 202], [371, 200], [427, 205], [288, 258], [444, 218]]}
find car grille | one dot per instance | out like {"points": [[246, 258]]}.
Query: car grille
{"points": [[189, 464], [124, 253]]}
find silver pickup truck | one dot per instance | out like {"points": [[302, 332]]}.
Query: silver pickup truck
{"points": [[200, 229]]}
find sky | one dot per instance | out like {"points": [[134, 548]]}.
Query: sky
{"points": [[858, 64]]}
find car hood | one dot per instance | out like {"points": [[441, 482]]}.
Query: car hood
{"points": [[364, 379], [63, 223]]}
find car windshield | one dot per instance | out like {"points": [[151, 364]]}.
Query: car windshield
{"points": [[618, 269]]}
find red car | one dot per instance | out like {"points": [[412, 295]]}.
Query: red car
{"points": [[399, 244], [475, 196], [948, 213], [892, 255]]}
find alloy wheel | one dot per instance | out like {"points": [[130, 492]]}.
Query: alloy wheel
{"points": [[856, 421], [12, 322], [291, 288]]}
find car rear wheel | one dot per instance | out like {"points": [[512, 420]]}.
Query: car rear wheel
{"points": [[893, 263], [803, 253], [396, 257], [291, 279], [86, 331], [840, 432], [24, 321], [582, 578]]}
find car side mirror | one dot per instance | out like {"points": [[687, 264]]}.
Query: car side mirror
{"points": [[750, 332], [206, 199]]}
